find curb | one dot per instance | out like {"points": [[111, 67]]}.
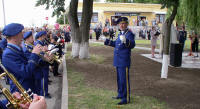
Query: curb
{"points": [[64, 99]]}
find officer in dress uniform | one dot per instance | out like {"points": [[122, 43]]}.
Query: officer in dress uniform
{"points": [[122, 59], [40, 37], [14, 59], [27, 47]]}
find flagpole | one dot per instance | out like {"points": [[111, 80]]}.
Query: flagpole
{"points": [[4, 16]]}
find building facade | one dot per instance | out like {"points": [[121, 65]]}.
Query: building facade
{"points": [[139, 14]]}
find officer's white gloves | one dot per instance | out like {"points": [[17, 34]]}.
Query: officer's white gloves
{"points": [[122, 38], [103, 38]]}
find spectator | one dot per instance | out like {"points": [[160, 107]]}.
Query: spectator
{"points": [[182, 37], [195, 43], [97, 30], [154, 35]]}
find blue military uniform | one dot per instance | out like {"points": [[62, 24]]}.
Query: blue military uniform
{"points": [[122, 61], [27, 48], [2, 105], [15, 62], [3, 43], [45, 69]]}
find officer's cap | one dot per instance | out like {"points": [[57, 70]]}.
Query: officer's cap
{"points": [[12, 29], [122, 20], [27, 34], [39, 34]]}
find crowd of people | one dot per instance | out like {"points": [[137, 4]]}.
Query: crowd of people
{"points": [[30, 54]]}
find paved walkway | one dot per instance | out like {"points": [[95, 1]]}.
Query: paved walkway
{"points": [[187, 61]]}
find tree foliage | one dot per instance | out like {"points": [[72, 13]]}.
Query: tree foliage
{"points": [[57, 5], [60, 19], [192, 14]]}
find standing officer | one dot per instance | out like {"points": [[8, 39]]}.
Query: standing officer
{"points": [[14, 60], [40, 37], [122, 59]]}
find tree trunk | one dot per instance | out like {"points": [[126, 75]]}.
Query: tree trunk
{"points": [[75, 30], [166, 34], [85, 28]]}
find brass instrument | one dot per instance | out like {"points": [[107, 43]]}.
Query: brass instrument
{"points": [[13, 102], [41, 56], [54, 58], [26, 98]]}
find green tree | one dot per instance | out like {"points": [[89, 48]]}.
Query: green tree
{"points": [[57, 5], [192, 14], [60, 19]]}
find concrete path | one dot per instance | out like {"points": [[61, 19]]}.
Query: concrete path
{"points": [[187, 61], [64, 104]]}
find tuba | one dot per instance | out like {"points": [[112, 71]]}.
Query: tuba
{"points": [[13, 102]]}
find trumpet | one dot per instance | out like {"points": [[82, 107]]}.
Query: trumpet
{"points": [[26, 98], [13, 103], [54, 58]]}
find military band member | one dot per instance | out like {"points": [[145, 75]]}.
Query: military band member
{"points": [[40, 37], [122, 59], [14, 59], [27, 47]]}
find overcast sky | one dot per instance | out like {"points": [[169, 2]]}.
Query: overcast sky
{"points": [[25, 12]]}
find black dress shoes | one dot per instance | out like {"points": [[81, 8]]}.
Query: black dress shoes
{"points": [[116, 98], [122, 103], [48, 96]]}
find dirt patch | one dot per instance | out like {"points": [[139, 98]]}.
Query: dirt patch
{"points": [[180, 91]]}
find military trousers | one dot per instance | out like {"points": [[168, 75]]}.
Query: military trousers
{"points": [[123, 83]]}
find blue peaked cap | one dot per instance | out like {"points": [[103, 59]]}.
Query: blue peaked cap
{"points": [[122, 19], [12, 29], [27, 34], [39, 34]]}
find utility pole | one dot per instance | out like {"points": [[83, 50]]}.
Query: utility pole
{"points": [[64, 18], [4, 16]]}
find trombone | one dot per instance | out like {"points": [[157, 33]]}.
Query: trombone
{"points": [[26, 98]]}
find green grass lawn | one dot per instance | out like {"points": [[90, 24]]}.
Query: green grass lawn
{"points": [[147, 43], [81, 96]]}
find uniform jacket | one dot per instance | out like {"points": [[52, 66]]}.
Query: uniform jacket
{"points": [[27, 52], [3, 43], [122, 51], [22, 68], [45, 65]]}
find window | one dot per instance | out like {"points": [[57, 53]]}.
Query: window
{"points": [[160, 18], [93, 20]]}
